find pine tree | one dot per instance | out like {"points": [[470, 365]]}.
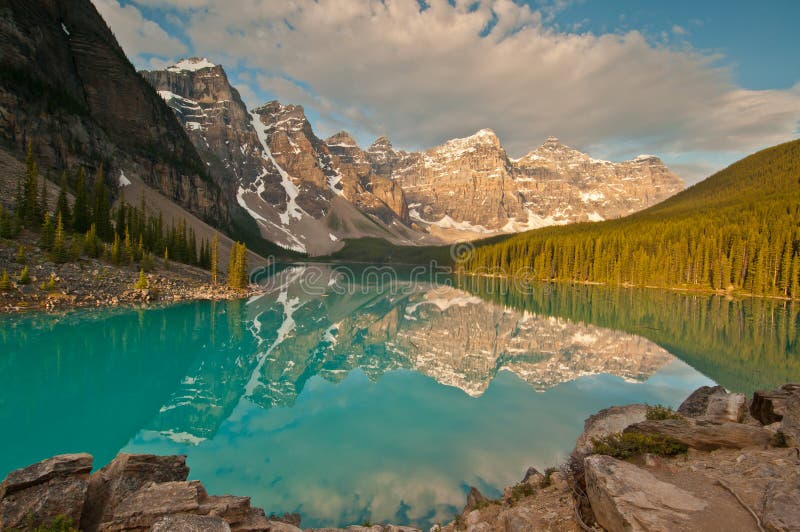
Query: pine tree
{"points": [[101, 211], [116, 251], [166, 257], [141, 283], [81, 217], [21, 258], [214, 259], [62, 204], [119, 223], [5, 282], [234, 277], [127, 248], [24, 276], [42, 206], [92, 246], [47, 234], [6, 224], [30, 207], [58, 253], [244, 271]]}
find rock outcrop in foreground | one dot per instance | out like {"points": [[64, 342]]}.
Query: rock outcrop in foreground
{"points": [[718, 463]]}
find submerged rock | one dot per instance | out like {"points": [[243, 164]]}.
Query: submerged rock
{"points": [[38, 494]]}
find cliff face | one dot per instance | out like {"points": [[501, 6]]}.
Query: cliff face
{"points": [[67, 86]]}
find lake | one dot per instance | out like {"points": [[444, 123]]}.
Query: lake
{"points": [[349, 397]]}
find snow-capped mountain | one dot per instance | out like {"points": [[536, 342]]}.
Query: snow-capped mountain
{"points": [[305, 194], [469, 187], [309, 194]]}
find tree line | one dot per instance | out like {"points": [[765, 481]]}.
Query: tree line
{"points": [[737, 231], [125, 235]]}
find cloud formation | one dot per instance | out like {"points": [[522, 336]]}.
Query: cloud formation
{"points": [[422, 75], [136, 34]]}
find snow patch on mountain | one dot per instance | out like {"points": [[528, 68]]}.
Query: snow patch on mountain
{"points": [[193, 64]]}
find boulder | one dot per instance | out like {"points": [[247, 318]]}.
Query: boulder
{"points": [[627, 498], [36, 495], [281, 526], [770, 406], [714, 404], [190, 523], [605, 422], [475, 500], [154, 501], [122, 477], [781, 405], [706, 436]]}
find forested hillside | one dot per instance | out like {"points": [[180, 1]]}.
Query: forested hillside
{"points": [[738, 231]]}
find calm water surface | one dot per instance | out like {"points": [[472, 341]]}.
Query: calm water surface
{"points": [[349, 402]]}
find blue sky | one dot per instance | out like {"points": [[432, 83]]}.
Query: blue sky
{"points": [[698, 83], [759, 40]]}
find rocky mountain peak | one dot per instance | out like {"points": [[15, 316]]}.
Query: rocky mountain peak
{"points": [[342, 139]]}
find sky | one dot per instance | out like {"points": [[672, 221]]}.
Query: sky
{"points": [[700, 84]]}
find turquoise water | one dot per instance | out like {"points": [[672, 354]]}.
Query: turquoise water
{"points": [[350, 402]]}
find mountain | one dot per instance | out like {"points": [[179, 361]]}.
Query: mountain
{"points": [[309, 194], [67, 87], [469, 188], [736, 231], [306, 194]]}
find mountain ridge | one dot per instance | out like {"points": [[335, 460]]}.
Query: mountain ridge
{"points": [[314, 193]]}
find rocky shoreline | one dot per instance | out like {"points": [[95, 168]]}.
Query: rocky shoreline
{"points": [[720, 462], [96, 283]]}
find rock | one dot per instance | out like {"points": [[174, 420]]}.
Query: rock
{"points": [[139, 511], [770, 406], [122, 477], [714, 404], [706, 436], [280, 526], [627, 498], [475, 500], [605, 422], [37, 494], [190, 523], [782, 506], [781, 405]]}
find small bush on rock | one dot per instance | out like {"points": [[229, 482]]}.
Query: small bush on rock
{"points": [[629, 444], [521, 491], [661, 412]]}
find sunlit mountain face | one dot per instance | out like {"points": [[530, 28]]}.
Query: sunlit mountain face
{"points": [[350, 395]]}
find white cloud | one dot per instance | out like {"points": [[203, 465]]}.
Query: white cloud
{"points": [[385, 67], [136, 34]]}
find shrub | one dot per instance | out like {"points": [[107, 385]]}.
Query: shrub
{"points": [[661, 412], [522, 490], [50, 285], [24, 276], [5, 282], [629, 444], [147, 263], [141, 283], [548, 477]]}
